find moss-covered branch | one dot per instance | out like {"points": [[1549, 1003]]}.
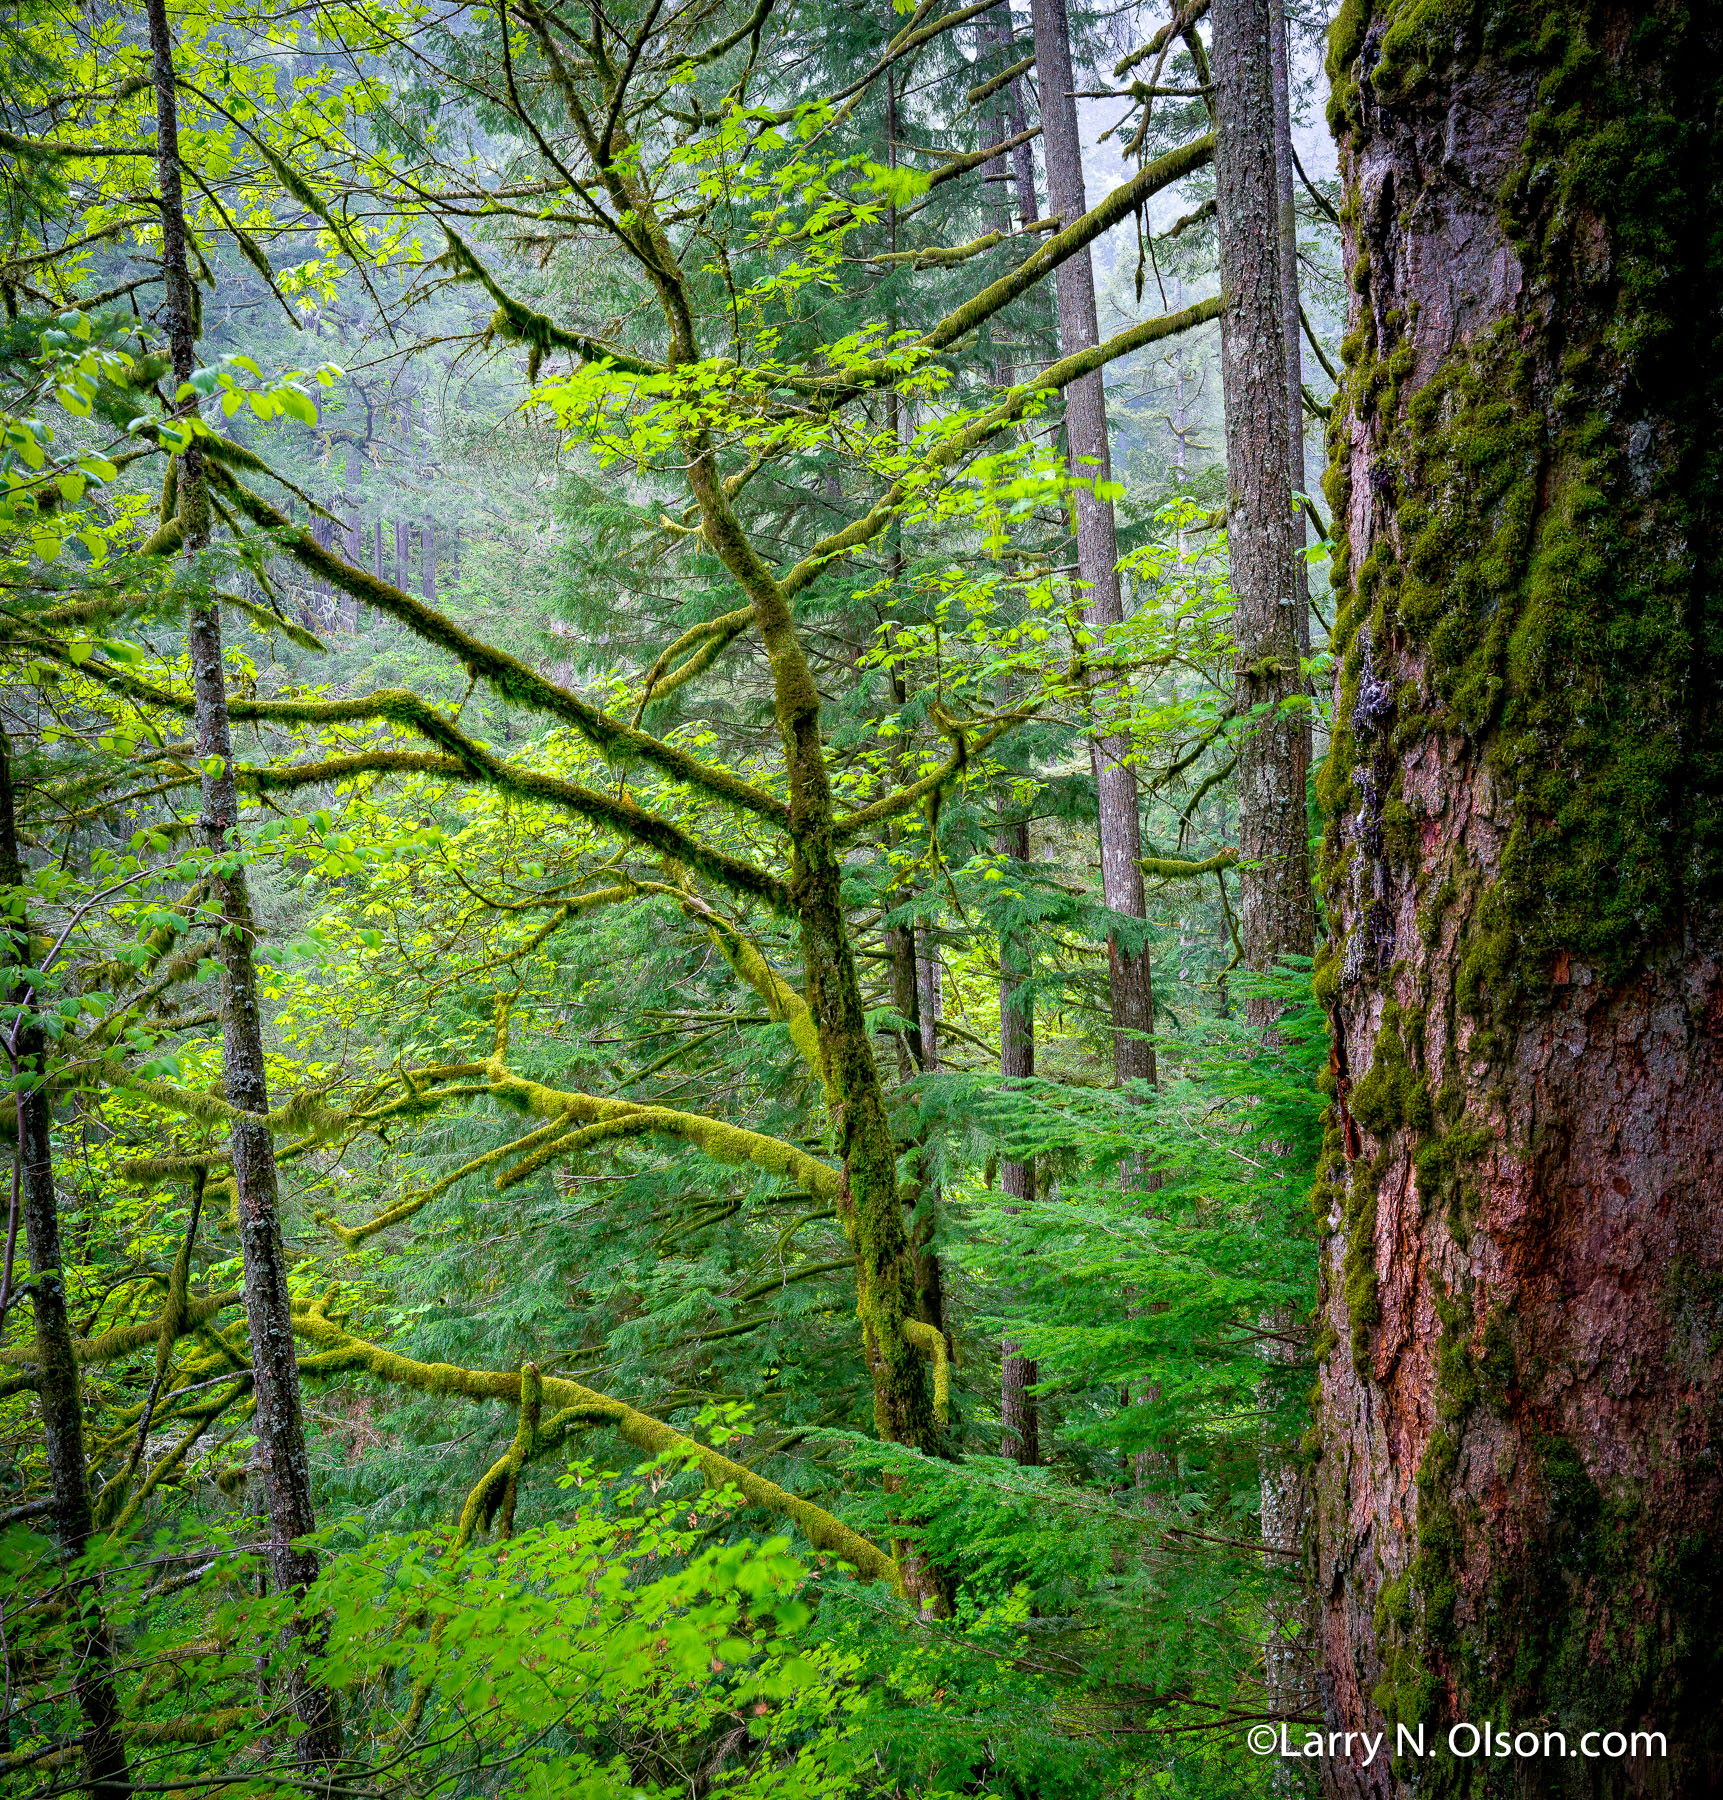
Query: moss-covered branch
{"points": [[508, 675], [341, 1351], [1181, 868], [849, 825], [930, 1341], [1076, 236], [538, 331], [465, 758], [703, 645], [124, 1339], [723, 1142], [783, 1003]]}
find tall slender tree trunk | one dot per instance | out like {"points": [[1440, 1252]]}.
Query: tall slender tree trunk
{"points": [[428, 567], [106, 1773], [402, 552], [1520, 1496], [929, 1278], [1019, 1416], [353, 536], [1276, 903], [1133, 1012], [279, 1427], [1277, 914], [1280, 53], [997, 36]]}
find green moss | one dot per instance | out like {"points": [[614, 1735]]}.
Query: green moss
{"points": [[1442, 1163], [1345, 40], [1392, 1094], [1419, 39], [1456, 1377], [1358, 1269], [1328, 1192], [1496, 1365], [1536, 565]]}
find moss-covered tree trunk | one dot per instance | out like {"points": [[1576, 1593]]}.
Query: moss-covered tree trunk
{"points": [[1521, 1480]]}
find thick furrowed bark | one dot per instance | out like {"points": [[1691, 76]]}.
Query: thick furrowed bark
{"points": [[1521, 1489]]}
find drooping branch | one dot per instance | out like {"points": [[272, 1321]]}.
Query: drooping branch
{"points": [[340, 1352], [930, 1341], [538, 331], [783, 1003]]}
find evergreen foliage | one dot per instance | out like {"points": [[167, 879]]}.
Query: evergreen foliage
{"points": [[630, 450]]}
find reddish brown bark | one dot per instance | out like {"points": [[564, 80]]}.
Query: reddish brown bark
{"points": [[1521, 1481]]}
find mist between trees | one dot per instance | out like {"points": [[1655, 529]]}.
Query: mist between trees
{"points": [[861, 881]]}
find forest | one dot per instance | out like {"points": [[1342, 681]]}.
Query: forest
{"points": [[863, 899]]}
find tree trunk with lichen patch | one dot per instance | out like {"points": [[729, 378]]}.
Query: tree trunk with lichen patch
{"points": [[1520, 1485]]}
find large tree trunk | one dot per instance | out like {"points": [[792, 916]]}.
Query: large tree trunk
{"points": [[1133, 1011], [279, 1427], [91, 1672], [1521, 1486]]}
